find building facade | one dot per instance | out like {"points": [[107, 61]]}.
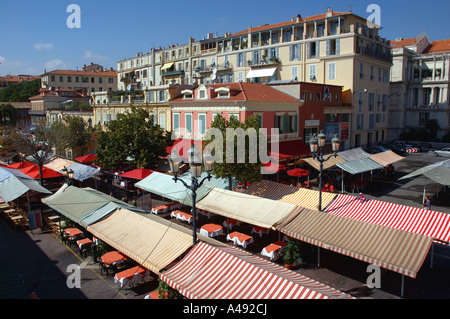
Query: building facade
{"points": [[87, 81], [334, 48], [420, 81]]}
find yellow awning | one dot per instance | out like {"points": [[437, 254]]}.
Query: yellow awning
{"points": [[151, 241], [167, 66]]}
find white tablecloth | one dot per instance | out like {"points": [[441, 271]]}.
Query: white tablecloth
{"points": [[238, 240]]}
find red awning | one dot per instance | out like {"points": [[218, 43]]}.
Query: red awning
{"points": [[86, 158], [215, 272], [139, 173], [20, 165], [290, 149], [406, 218], [33, 172], [182, 147]]}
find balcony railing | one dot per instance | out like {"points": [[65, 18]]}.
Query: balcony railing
{"points": [[263, 62], [171, 73]]}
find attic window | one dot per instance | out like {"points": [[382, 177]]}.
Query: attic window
{"points": [[187, 94], [223, 93]]}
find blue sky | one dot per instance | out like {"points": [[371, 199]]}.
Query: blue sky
{"points": [[35, 36]]}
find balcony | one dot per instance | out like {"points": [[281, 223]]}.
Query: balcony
{"points": [[264, 62], [173, 73]]}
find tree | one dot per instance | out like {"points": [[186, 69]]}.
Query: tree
{"points": [[131, 138], [433, 127], [34, 146], [242, 167], [20, 92], [8, 114]]}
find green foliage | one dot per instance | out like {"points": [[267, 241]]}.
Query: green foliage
{"points": [[8, 115], [291, 252], [20, 92], [131, 138], [167, 292], [246, 172]]}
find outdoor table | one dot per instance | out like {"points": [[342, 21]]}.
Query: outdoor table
{"points": [[124, 183], [260, 230], [211, 230], [160, 209], [173, 205], [4, 206], [240, 239], [131, 275], [10, 211], [272, 251], [73, 232], [53, 218], [113, 258], [178, 214], [84, 241], [229, 223]]}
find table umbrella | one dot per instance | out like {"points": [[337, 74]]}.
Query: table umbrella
{"points": [[86, 158], [139, 173], [20, 165], [297, 172], [33, 172]]}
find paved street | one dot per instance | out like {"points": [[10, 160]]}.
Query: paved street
{"points": [[41, 259]]}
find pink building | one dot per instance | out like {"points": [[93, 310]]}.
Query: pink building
{"points": [[194, 110]]}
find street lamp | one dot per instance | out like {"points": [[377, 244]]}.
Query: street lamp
{"points": [[195, 164], [316, 144], [68, 175]]}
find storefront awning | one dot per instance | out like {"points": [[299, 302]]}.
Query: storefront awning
{"points": [[390, 248], [247, 208], [259, 73], [150, 240], [211, 272], [331, 162], [359, 166], [303, 197], [14, 184], [406, 218], [354, 154]]}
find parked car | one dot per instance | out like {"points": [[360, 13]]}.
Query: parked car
{"points": [[396, 148], [377, 149], [425, 147], [445, 152]]}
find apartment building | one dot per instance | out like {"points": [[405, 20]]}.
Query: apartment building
{"points": [[333, 48], [420, 80], [90, 79]]}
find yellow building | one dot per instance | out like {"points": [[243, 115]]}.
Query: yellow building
{"points": [[336, 48]]}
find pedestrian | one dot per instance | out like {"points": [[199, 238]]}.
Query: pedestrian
{"points": [[134, 201], [427, 203], [125, 199]]}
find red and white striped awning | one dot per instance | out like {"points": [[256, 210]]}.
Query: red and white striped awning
{"points": [[212, 272], [412, 219]]}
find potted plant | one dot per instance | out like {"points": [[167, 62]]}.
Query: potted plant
{"points": [[291, 253]]}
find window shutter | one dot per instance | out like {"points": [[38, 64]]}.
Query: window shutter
{"points": [[308, 50], [338, 46], [317, 49], [328, 47]]}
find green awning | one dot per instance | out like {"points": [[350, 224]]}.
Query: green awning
{"points": [[164, 185], [359, 166]]}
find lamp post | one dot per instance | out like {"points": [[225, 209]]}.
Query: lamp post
{"points": [[68, 175], [195, 164], [316, 144]]}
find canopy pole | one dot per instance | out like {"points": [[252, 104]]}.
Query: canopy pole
{"points": [[432, 255], [342, 181], [402, 287], [318, 256], [424, 193]]}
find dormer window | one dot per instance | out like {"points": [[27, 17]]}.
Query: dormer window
{"points": [[187, 94], [223, 93], [202, 94]]}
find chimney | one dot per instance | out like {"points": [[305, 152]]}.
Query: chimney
{"points": [[299, 18]]}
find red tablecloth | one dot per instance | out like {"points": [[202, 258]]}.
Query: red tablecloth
{"points": [[132, 274], [85, 241], [113, 257], [229, 223]]}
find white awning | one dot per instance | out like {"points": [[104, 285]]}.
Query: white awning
{"points": [[259, 73]]}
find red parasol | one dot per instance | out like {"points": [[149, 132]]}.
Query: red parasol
{"points": [[33, 172], [297, 172], [139, 173], [86, 158]]}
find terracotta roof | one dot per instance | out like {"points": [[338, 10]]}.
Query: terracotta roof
{"points": [[81, 73], [288, 23], [242, 91], [403, 43], [439, 46]]}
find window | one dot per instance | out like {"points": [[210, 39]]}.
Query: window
{"points": [[332, 71], [240, 76], [286, 123], [333, 47], [61, 78], [424, 118], [162, 120], [361, 70], [52, 78], [359, 121], [92, 80], [385, 102], [201, 123], [308, 133], [312, 50], [372, 72], [294, 52], [312, 72], [311, 96], [241, 59], [294, 73], [188, 122], [260, 120], [77, 79], [176, 121], [426, 96], [371, 101]]}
